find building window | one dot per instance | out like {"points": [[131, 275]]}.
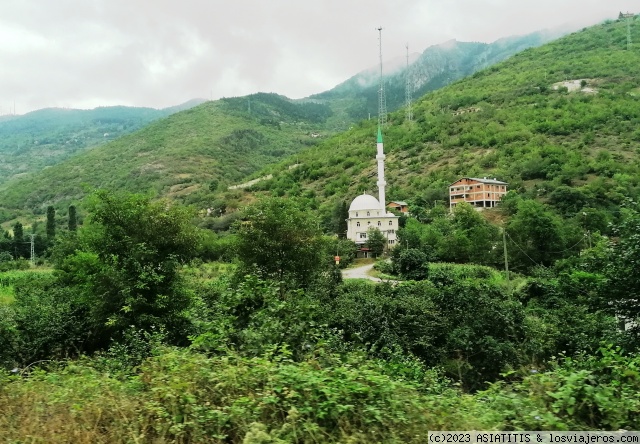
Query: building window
{"points": [[369, 223], [357, 224], [391, 231], [368, 213], [379, 223], [363, 235], [390, 223], [356, 214], [391, 242]]}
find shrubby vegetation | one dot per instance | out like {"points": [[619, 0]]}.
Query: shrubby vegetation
{"points": [[133, 337], [137, 336]]}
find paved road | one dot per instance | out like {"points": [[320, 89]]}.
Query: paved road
{"points": [[360, 273]]}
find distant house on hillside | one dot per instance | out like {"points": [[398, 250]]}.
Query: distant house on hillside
{"points": [[480, 193], [400, 206]]}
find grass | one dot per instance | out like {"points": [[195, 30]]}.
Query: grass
{"points": [[8, 279], [360, 262], [6, 294]]}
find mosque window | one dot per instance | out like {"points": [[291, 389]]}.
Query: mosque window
{"points": [[368, 213], [391, 242], [363, 235], [356, 214], [357, 224], [379, 223], [369, 223], [390, 222]]}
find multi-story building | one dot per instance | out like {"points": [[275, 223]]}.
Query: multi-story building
{"points": [[480, 193]]}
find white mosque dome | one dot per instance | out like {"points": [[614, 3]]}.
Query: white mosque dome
{"points": [[364, 202]]}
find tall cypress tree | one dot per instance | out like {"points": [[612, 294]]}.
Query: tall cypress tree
{"points": [[18, 240], [73, 219], [51, 222]]}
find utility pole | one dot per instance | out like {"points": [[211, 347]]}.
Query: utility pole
{"points": [[506, 259]]}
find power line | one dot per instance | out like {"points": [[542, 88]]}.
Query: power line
{"points": [[523, 252]]}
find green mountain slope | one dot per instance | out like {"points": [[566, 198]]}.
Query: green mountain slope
{"points": [[46, 137], [188, 153], [575, 144], [437, 66]]}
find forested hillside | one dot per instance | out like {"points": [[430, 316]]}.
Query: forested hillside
{"points": [[187, 154], [46, 137], [560, 123]]}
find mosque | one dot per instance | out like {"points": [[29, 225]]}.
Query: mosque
{"points": [[366, 212]]}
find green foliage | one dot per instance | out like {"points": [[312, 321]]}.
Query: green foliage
{"points": [[376, 241], [73, 218], [537, 236], [43, 322], [620, 293], [586, 393], [253, 316], [411, 263], [465, 238], [126, 265], [51, 222], [181, 396], [572, 150], [461, 319], [46, 137], [281, 240], [179, 156]]}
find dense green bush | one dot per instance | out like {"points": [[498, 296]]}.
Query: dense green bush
{"points": [[588, 392]]}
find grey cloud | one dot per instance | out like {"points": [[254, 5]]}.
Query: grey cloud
{"points": [[163, 52]]}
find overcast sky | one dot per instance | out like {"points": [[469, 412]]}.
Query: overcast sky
{"points": [[159, 53]]}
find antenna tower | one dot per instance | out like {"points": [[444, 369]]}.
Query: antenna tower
{"points": [[408, 99], [629, 16], [382, 101]]}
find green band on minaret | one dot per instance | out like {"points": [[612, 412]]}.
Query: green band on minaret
{"points": [[379, 135]]}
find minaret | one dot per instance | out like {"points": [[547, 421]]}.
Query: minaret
{"points": [[381, 182]]}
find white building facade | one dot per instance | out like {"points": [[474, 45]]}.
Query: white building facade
{"points": [[366, 212]]}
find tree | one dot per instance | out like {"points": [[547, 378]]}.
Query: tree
{"points": [[376, 242], [339, 218], [412, 263], [51, 222], [537, 235], [281, 241], [126, 266], [73, 218], [479, 234], [18, 240], [621, 294]]}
